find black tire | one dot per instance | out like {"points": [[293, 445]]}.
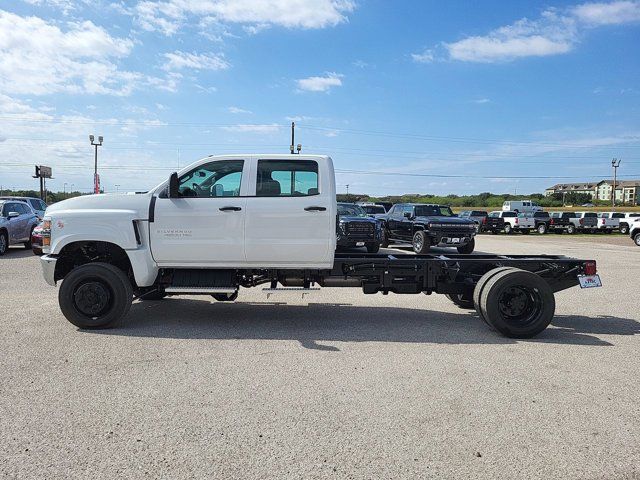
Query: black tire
{"points": [[225, 297], [525, 231], [462, 300], [542, 228], [624, 229], [4, 243], [27, 244], [636, 239], [385, 238], [373, 248], [517, 303], [95, 295], [571, 229], [420, 242], [508, 229], [468, 248], [477, 291]]}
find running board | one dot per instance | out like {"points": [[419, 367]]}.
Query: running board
{"points": [[200, 290]]}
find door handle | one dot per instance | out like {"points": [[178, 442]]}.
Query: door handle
{"points": [[315, 209], [230, 209]]}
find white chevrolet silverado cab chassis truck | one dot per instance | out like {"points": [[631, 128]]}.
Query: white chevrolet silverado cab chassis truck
{"points": [[234, 221]]}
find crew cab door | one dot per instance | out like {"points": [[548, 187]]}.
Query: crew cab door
{"points": [[205, 225], [290, 213]]}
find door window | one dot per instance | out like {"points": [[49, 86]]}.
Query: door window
{"points": [[213, 180], [287, 178]]}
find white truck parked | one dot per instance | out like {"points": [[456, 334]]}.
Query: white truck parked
{"points": [[515, 222], [240, 221], [625, 220]]}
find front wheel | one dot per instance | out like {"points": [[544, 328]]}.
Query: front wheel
{"points": [[636, 239], [385, 238], [373, 248], [4, 243], [624, 229], [571, 229], [95, 295], [542, 229], [420, 242], [468, 248], [508, 229]]}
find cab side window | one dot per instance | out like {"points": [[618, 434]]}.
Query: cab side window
{"points": [[287, 178], [212, 180]]}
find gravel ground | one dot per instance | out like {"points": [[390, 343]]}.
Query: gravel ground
{"points": [[340, 385]]}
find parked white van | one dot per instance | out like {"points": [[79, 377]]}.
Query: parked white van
{"points": [[521, 206]]}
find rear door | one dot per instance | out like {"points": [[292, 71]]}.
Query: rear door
{"points": [[205, 225], [290, 214]]}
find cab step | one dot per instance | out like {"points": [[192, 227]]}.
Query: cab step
{"points": [[199, 290]]}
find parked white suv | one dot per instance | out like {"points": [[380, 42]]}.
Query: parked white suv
{"points": [[625, 220]]}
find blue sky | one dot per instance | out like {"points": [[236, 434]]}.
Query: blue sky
{"points": [[457, 97]]}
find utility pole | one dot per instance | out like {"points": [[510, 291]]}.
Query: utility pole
{"points": [[615, 163], [293, 146], [96, 179], [347, 192]]}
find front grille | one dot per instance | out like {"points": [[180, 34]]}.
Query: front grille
{"points": [[359, 230], [453, 229]]}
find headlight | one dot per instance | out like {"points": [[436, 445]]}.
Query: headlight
{"points": [[46, 233]]}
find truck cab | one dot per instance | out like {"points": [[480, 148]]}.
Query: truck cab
{"points": [[225, 211]]}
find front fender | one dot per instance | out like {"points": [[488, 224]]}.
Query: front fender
{"points": [[113, 226]]}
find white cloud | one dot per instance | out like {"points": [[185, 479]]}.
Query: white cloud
{"points": [[170, 15], [424, 57], [555, 32], [39, 58], [254, 128], [608, 13], [320, 84], [481, 101], [199, 61], [237, 110], [549, 35]]}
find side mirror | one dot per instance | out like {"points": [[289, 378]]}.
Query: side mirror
{"points": [[174, 190], [13, 215], [407, 215]]}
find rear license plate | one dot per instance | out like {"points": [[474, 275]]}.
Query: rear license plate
{"points": [[589, 281], [359, 244]]}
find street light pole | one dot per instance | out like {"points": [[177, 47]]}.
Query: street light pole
{"points": [[96, 182], [615, 163]]}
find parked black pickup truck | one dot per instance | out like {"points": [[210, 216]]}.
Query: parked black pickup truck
{"points": [[357, 229], [550, 223], [425, 225]]}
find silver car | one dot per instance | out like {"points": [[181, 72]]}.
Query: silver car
{"points": [[36, 204], [17, 220]]}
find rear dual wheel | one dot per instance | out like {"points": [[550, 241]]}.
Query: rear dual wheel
{"points": [[517, 303]]}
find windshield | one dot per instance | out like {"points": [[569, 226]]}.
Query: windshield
{"points": [[433, 211], [373, 209], [345, 209]]}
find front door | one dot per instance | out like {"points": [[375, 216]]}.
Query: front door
{"points": [[290, 218], [205, 225]]}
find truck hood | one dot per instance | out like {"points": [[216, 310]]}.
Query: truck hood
{"points": [[347, 218], [136, 203], [446, 220]]}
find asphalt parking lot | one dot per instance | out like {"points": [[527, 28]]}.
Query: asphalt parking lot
{"points": [[338, 385]]}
